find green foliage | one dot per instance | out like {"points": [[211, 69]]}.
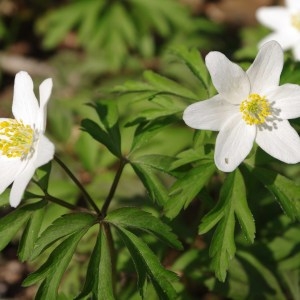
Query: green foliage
{"points": [[99, 279], [286, 192], [232, 203], [131, 25], [147, 264], [146, 214], [130, 217], [108, 134]]}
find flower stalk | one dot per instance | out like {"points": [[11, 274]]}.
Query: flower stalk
{"points": [[85, 194]]}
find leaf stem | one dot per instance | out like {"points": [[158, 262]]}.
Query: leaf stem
{"points": [[114, 185], [61, 202], [86, 195]]}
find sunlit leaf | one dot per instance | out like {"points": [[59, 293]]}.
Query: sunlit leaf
{"points": [[168, 86], [232, 202], [192, 58], [185, 189], [130, 217]]}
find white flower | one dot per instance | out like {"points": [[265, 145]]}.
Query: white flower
{"points": [[23, 146], [250, 106], [285, 22]]}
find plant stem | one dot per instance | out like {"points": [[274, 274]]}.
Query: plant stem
{"points": [[87, 197], [61, 202], [114, 185]]}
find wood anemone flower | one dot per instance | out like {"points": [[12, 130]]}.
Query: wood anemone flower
{"points": [[249, 107], [23, 145]]}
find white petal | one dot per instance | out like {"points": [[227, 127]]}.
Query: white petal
{"points": [[44, 152], [287, 99], [45, 92], [282, 143], [293, 4], [287, 39], [233, 144], [228, 78], [296, 51], [20, 184], [10, 168], [270, 16], [264, 73], [209, 114], [25, 105]]}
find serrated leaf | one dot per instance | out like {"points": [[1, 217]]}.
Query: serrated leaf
{"points": [[156, 190], [168, 86], [131, 217], [62, 227], [99, 279], [232, 202], [12, 222], [30, 234], [222, 247], [53, 269], [286, 192], [193, 60], [185, 189], [145, 261]]}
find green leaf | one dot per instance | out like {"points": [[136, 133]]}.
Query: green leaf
{"points": [[88, 158], [4, 198], [232, 202], [222, 248], [99, 279], [285, 191], [108, 133], [147, 130], [100, 135], [167, 86], [131, 217], [159, 162], [146, 262], [107, 111], [186, 188], [43, 174], [156, 190], [62, 227], [30, 234], [11, 223], [195, 63], [53, 269], [266, 275]]}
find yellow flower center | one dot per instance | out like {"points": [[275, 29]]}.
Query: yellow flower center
{"points": [[255, 109], [16, 138], [295, 20]]}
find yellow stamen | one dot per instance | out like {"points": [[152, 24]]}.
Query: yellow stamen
{"points": [[255, 109], [16, 138], [295, 20]]}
